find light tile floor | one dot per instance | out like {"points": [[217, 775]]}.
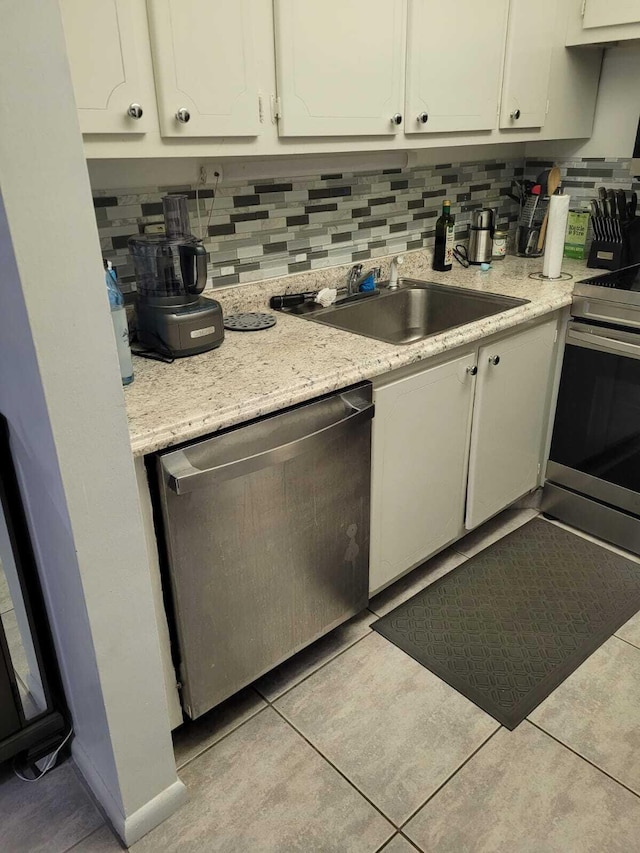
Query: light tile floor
{"points": [[353, 746]]}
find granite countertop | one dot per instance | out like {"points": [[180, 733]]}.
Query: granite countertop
{"points": [[255, 373]]}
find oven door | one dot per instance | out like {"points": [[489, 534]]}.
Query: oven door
{"points": [[595, 448]]}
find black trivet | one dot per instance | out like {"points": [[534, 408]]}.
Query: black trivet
{"points": [[251, 321]]}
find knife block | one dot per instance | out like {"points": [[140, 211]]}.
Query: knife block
{"points": [[606, 255], [613, 254]]}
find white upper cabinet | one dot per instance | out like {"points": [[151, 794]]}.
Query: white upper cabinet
{"points": [[103, 53], [607, 13], [454, 65], [602, 21], [204, 67], [530, 40], [510, 417], [340, 66]]}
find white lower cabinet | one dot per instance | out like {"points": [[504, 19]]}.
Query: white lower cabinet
{"points": [[419, 466], [509, 420], [451, 447]]}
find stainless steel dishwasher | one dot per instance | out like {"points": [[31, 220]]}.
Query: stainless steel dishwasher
{"points": [[267, 535]]}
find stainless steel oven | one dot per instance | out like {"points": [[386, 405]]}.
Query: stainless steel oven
{"points": [[593, 474]]}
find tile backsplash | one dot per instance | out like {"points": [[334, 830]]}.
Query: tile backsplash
{"points": [[581, 177], [254, 230], [261, 229]]}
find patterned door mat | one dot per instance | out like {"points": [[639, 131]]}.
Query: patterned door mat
{"points": [[509, 625]]}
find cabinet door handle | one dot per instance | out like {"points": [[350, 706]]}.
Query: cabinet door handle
{"points": [[135, 111], [494, 359], [183, 115], [396, 119], [423, 118], [472, 369], [515, 115]]}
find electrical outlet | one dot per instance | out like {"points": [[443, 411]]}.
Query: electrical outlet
{"points": [[209, 174]]}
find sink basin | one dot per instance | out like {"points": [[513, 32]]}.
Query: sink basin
{"points": [[416, 310]]}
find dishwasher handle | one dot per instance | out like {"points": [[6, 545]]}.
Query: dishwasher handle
{"points": [[182, 477]]}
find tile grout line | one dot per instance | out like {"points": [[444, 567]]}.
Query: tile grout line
{"points": [[448, 779], [337, 769], [322, 666], [222, 737], [398, 834], [622, 639], [579, 755], [269, 702], [92, 833], [409, 841]]}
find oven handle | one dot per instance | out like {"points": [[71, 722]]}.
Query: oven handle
{"points": [[602, 342]]}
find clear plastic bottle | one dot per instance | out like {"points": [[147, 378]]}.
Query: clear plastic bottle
{"points": [[120, 325]]}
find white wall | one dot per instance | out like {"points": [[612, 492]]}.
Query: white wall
{"points": [[119, 174], [60, 390], [617, 111]]}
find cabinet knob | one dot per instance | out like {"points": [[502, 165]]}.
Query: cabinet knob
{"points": [[396, 119], [515, 115], [183, 115], [494, 359], [423, 118], [472, 369], [135, 111]]}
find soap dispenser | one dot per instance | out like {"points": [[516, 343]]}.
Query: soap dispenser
{"points": [[393, 274]]}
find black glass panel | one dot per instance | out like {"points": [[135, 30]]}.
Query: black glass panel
{"points": [[597, 425], [624, 279]]}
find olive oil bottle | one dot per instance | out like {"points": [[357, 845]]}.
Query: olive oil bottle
{"points": [[445, 228]]}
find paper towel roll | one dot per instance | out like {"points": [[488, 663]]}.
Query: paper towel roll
{"points": [[556, 229]]}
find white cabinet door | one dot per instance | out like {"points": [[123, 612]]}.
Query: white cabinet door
{"points": [[607, 13], [102, 47], [419, 467], [340, 66], [509, 420], [454, 65], [204, 66], [530, 40]]}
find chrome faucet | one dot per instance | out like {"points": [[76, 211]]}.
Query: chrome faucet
{"points": [[356, 277], [352, 278]]}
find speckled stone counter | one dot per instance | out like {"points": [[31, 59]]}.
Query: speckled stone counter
{"points": [[254, 373]]}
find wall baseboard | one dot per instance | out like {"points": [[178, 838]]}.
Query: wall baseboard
{"points": [[129, 828]]}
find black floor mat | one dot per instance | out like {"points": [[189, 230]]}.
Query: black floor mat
{"points": [[509, 625]]}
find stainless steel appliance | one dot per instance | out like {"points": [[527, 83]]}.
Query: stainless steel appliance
{"points": [[171, 272], [481, 236], [267, 535], [594, 468]]}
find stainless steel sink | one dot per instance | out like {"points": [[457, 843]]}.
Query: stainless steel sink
{"points": [[416, 310]]}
